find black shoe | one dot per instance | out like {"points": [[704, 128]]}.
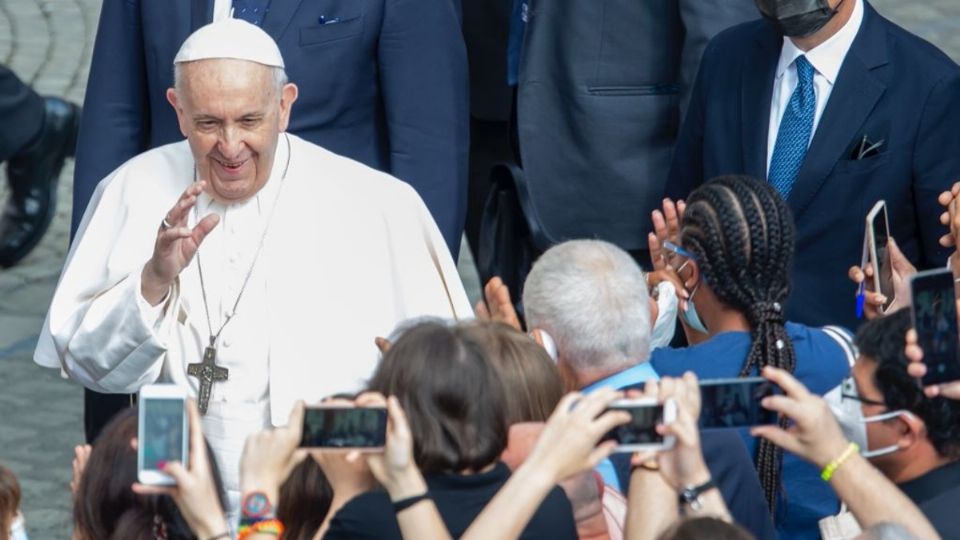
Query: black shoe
{"points": [[33, 175]]}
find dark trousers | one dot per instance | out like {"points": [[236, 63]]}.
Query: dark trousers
{"points": [[489, 145], [21, 114]]}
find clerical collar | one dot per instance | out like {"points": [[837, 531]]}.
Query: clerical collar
{"points": [[263, 199]]}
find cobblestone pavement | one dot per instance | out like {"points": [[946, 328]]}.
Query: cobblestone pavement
{"points": [[48, 43]]}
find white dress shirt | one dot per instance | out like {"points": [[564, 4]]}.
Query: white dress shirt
{"points": [[221, 9], [826, 59]]}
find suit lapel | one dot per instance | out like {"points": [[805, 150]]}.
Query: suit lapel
{"points": [[279, 16], [756, 91], [854, 96]]}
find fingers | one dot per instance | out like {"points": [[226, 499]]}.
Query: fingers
{"points": [[659, 226], [917, 370], [143, 489], [295, 422], [204, 228], [600, 453], [901, 265], [383, 344], [177, 216], [855, 274], [198, 448], [912, 349], [480, 310], [593, 404], [656, 252], [371, 399], [777, 436], [176, 470], [672, 218], [565, 405], [790, 386]]}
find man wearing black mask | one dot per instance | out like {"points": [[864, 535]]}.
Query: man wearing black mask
{"points": [[838, 108]]}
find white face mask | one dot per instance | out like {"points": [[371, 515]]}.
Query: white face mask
{"points": [[548, 344], [666, 323], [18, 531], [844, 404]]}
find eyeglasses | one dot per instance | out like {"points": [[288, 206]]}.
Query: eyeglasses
{"points": [[868, 401], [674, 253]]}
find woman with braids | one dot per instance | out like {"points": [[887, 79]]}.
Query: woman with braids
{"points": [[736, 242]]}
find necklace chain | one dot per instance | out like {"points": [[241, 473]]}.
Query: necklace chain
{"points": [[215, 336]]}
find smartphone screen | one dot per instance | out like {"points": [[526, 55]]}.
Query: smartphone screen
{"points": [[642, 428], [735, 403], [343, 427], [163, 432], [935, 319], [880, 229]]}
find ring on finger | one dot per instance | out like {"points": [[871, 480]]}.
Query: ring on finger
{"points": [[164, 225]]}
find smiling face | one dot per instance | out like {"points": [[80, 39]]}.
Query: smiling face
{"points": [[232, 112]]}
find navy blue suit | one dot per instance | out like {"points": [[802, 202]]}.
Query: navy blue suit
{"points": [[385, 83], [892, 86], [382, 81]]}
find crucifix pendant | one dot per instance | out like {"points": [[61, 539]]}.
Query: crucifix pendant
{"points": [[207, 372]]}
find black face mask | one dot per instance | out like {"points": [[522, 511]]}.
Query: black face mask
{"points": [[797, 18]]}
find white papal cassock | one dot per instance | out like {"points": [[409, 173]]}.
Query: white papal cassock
{"points": [[350, 253]]}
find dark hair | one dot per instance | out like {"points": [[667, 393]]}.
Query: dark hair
{"points": [[742, 234], [704, 527], [530, 378], [882, 341], [305, 499], [106, 507], [9, 501], [452, 395]]}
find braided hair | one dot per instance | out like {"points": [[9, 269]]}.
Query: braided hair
{"points": [[742, 233]]}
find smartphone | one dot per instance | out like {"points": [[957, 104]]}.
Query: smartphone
{"points": [[878, 236], [641, 432], [162, 432], [934, 313], [735, 403], [344, 427]]}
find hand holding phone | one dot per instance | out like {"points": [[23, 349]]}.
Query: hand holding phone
{"points": [[162, 432], [934, 311]]}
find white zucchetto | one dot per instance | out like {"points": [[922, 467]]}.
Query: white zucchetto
{"points": [[230, 38]]}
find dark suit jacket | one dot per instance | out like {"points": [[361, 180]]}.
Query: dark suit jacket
{"points": [[892, 86], [386, 85], [599, 103]]}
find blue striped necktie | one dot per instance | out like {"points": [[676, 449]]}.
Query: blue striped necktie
{"points": [[251, 11], [795, 129]]}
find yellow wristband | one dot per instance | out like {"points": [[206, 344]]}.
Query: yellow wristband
{"points": [[832, 467]]}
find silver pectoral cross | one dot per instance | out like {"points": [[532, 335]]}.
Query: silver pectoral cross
{"points": [[207, 372]]}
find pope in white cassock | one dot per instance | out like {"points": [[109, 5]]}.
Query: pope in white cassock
{"points": [[274, 258]]}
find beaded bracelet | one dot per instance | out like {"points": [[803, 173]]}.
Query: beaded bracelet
{"points": [[268, 526], [832, 467]]}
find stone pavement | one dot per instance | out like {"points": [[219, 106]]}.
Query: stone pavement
{"points": [[48, 43]]}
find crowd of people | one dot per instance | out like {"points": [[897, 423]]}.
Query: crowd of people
{"points": [[271, 241]]}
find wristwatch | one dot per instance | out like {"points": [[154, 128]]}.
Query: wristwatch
{"points": [[256, 505], [690, 494]]}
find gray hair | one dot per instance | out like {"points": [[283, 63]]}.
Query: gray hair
{"points": [[591, 297], [278, 73]]}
